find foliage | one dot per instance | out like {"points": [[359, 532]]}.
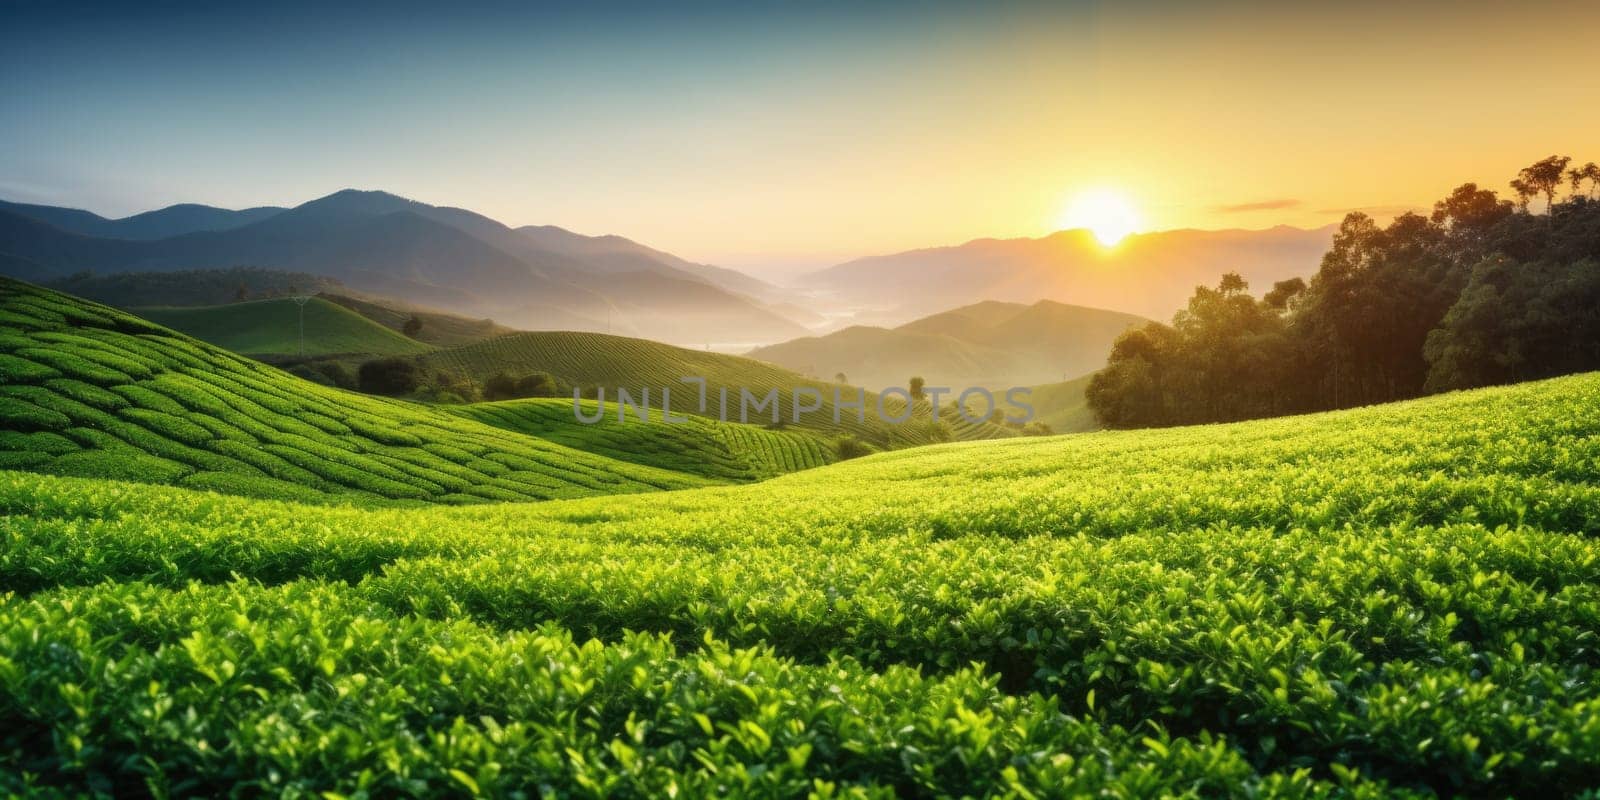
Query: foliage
{"points": [[390, 376], [592, 361], [695, 445], [1480, 292], [139, 402], [1385, 601]]}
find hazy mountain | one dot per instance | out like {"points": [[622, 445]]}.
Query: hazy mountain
{"points": [[1150, 274], [984, 344], [445, 257], [159, 224], [618, 254]]}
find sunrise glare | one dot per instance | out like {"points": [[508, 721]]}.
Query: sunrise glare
{"points": [[1106, 213]]}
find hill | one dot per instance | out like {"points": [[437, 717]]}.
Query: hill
{"points": [[1064, 407], [438, 329], [985, 344], [261, 328], [159, 224], [1149, 274], [449, 258], [1390, 601], [592, 361], [727, 451], [88, 390]]}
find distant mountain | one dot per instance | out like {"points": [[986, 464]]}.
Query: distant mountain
{"points": [[170, 221], [991, 344], [438, 256], [1150, 274], [617, 254]]}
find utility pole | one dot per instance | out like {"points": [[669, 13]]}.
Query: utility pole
{"points": [[301, 300]]}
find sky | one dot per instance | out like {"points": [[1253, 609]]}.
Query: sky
{"points": [[776, 137]]}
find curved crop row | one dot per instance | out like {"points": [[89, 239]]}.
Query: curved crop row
{"points": [[90, 391]]}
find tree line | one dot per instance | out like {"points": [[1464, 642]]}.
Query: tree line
{"points": [[1484, 290]]}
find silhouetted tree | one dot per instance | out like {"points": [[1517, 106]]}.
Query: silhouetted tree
{"points": [[840, 378], [1478, 292], [916, 387], [1544, 177]]}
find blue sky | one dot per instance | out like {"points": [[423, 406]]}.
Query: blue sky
{"points": [[784, 134]]}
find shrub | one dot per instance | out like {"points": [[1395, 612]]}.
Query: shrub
{"points": [[390, 376], [848, 447]]}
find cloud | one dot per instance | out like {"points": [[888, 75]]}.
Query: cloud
{"points": [[1260, 205]]}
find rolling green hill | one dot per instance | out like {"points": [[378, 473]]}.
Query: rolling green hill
{"points": [[698, 446], [272, 328], [590, 360], [993, 344], [88, 390], [1390, 601], [438, 329], [1064, 407]]}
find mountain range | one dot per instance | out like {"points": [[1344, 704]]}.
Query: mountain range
{"points": [[457, 260], [1151, 274], [990, 344]]}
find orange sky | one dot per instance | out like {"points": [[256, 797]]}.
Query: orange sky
{"points": [[774, 140]]}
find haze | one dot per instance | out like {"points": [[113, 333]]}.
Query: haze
{"points": [[773, 140]]}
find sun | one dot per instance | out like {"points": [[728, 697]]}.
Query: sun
{"points": [[1103, 212]]}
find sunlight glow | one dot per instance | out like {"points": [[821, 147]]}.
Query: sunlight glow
{"points": [[1103, 212]]}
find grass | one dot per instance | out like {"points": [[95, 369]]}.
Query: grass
{"points": [[726, 451], [1392, 601], [87, 390], [438, 329], [590, 360], [272, 328]]}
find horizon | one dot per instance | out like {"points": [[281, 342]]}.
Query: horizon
{"points": [[774, 274], [775, 142]]}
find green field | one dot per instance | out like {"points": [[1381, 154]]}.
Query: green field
{"points": [[726, 451], [438, 329], [87, 390], [272, 328], [1396, 600], [589, 360]]}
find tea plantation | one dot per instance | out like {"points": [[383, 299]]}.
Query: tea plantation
{"points": [[90, 391], [697, 445], [595, 360], [272, 328], [1401, 600]]}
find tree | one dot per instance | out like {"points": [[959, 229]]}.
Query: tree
{"points": [[500, 386], [241, 294], [1525, 192], [1588, 172], [412, 327], [916, 387], [1284, 293], [1543, 177], [389, 376], [839, 377], [538, 384]]}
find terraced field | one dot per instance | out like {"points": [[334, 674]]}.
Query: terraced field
{"points": [[726, 451], [1394, 601], [272, 328], [590, 360], [88, 390]]}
